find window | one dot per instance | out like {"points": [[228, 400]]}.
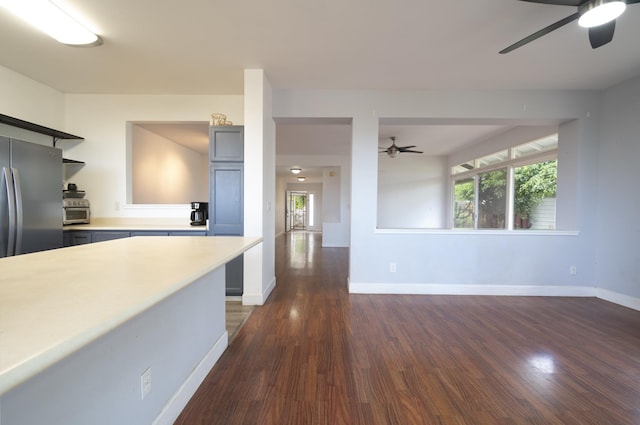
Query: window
{"points": [[534, 195], [492, 196], [464, 208], [510, 189]]}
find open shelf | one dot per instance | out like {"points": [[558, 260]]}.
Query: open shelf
{"points": [[56, 134]]}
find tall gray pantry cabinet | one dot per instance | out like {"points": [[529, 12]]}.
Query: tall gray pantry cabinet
{"points": [[226, 194]]}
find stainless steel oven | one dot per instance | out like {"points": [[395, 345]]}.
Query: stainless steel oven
{"points": [[76, 211]]}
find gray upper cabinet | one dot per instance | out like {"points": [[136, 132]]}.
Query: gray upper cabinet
{"points": [[226, 144]]}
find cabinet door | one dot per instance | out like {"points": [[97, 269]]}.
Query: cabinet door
{"points": [[77, 237], [148, 233], [226, 203], [101, 236], [226, 143], [188, 233], [234, 276]]}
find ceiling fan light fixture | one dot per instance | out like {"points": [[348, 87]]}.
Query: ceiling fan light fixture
{"points": [[49, 18], [599, 12], [296, 170]]}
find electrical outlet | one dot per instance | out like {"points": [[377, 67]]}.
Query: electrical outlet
{"points": [[145, 383], [392, 267], [573, 270]]}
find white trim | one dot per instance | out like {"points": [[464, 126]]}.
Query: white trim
{"points": [[253, 299], [177, 403], [493, 232], [444, 289], [618, 298], [495, 290], [233, 298]]}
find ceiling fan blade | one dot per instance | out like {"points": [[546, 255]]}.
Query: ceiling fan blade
{"points": [[602, 34], [409, 151], [406, 147], [543, 31]]}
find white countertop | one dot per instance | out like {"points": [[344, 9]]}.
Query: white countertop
{"points": [[55, 302]]}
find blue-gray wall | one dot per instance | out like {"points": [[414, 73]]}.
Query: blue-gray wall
{"points": [[617, 201]]}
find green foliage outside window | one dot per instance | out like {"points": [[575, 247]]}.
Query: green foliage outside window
{"points": [[532, 184]]}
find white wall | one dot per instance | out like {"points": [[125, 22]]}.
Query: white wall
{"points": [[30, 100], [102, 121], [618, 201], [260, 184], [165, 172], [412, 192], [447, 259]]}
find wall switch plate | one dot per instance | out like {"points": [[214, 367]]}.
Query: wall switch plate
{"points": [[392, 267], [145, 383], [573, 270]]}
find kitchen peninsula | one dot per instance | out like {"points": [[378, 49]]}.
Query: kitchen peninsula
{"points": [[121, 331]]}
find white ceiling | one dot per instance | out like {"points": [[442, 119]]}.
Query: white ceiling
{"points": [[203, 46]]}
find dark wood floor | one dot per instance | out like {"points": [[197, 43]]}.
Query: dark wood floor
{"points": [[313, 354]]}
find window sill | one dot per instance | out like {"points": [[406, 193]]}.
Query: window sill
{"points": [[493, 232]]}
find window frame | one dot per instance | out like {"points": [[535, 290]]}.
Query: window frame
{"points": [[510, 164]]}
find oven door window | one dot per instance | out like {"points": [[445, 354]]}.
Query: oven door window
{"points": [[76, 214]]}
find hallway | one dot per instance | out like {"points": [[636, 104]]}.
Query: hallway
{"points": [[313, 354]]}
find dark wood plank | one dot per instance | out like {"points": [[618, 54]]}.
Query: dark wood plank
{"points": [[313, 354]]}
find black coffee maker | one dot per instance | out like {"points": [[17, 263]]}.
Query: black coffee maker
{"points": [[199, 213]]}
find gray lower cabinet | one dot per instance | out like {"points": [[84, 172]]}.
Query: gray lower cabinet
{"points": [[148, 233], [198, 233], [81, 237], [76, 237], [226, 199], [101, 236]]}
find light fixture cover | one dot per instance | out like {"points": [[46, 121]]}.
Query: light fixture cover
{"points": [[52, 20], [301, 178], [296, 170], [599, 12]]}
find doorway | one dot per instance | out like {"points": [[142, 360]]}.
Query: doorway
{"points": [[299, 209]]}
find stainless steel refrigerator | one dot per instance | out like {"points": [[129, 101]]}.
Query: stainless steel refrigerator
{"points": [[30, 197]]}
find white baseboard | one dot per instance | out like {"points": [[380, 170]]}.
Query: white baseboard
{"points": [[441, 289], [513, 290], [174, 407], [254, 299], [620, 299]]}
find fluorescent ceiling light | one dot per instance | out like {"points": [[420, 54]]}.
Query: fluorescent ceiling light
{"points": [[599, 12], [52, 20]]}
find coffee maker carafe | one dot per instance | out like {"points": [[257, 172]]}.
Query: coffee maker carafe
{"points": [[199, 213]]}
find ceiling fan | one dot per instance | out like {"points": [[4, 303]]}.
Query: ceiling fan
{"points": [[599, 16], [394, 150]]}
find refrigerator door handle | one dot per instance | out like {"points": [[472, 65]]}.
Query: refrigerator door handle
{"points": [[19, 211], [11, 206]]}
